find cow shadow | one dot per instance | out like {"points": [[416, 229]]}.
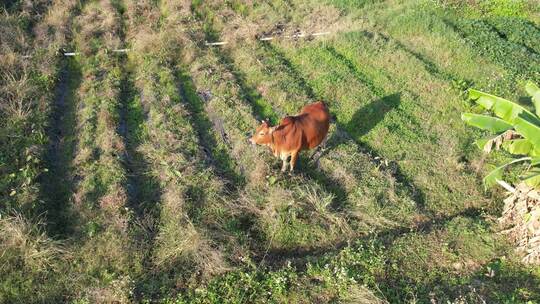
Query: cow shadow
{"points": [[368, 116], [362, 121], [373, 113]]}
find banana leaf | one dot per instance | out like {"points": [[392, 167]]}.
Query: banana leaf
{"points": [[485, 143], [520, 146], [533, 179], [503, 108], [528, 130], [535, 161], [485, 122], [534, 91], [496, 174]]}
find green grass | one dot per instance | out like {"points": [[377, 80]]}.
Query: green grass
{"points": [[519, 31], [521, 62], [357, 181], [154, 194], [282, 229], [380, 113], [103, 256], [26, 89]]}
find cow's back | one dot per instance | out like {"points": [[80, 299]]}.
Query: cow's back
{"points": [[317, 111], [304, 131], [316, 121]]}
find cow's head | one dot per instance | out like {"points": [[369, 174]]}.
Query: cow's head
{"points": [[263, 134]]}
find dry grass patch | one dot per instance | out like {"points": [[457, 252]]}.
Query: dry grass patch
{"points": [[28, 255], [98, 28], [24, 239]]}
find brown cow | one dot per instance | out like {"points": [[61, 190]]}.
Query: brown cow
{"points": [[295, 133]]}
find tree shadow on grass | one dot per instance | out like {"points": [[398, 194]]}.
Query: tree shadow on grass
{"points": [[57, 183], [300, 257], [143, 188], [498, 281], [216, 156]]}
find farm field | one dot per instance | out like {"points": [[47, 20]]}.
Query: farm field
{"points": [[126, 174]]}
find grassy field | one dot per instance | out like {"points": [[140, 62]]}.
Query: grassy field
{"points": [[127, 177]]}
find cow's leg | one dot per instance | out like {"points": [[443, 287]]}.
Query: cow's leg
{"points": [[284, 160], [284, 165], [324, 142], [294, 156], [319, 150]]}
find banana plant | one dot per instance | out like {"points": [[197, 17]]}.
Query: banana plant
{"points": [[514, 129]]}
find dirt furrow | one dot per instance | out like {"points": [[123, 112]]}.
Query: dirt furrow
{"points": [[143, 188], [196, 234], [36, 101]]}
